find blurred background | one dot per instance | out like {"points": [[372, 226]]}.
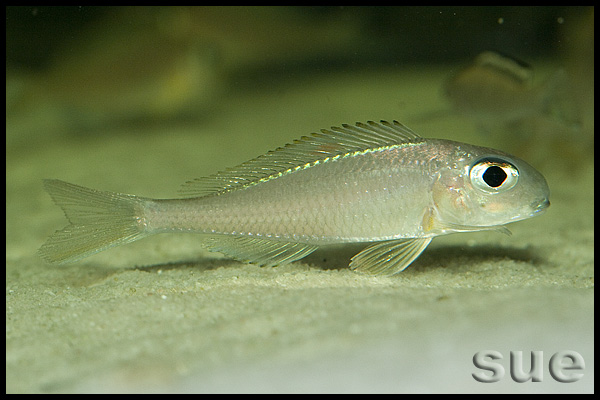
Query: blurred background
{"points": [[84, 70]]}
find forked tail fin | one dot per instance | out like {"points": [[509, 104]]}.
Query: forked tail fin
{"points": [[97, 221]]}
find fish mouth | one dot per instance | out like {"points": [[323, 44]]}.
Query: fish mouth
{"points": [[540, 206]]}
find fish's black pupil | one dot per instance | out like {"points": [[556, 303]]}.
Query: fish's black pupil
{"points": [[494, 176]]}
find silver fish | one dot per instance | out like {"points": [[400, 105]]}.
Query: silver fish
{"points": [[373, 182]]}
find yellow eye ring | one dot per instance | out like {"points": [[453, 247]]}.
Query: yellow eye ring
{"points": [[493, 175]]}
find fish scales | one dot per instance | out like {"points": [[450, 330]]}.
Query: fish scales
{"points": [[358, 197], [374, 182]]}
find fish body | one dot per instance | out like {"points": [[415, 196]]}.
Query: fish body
{"points": [[373, 182]]}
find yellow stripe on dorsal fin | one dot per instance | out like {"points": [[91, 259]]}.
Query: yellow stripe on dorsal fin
{"points": [[304, 152]]}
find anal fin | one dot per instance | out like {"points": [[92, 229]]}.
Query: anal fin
{"points": [[388, 258], [264, 252]]}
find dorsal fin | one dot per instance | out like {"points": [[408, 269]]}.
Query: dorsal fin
{"points": [[320, 146]]}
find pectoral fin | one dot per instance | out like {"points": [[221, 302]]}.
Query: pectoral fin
{"points": [[388, 258]]}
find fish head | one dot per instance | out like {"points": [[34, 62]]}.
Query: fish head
{"points": [[486, 189]]}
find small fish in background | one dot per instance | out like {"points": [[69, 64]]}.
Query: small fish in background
{"points": [[497, 92], [373, 182]]}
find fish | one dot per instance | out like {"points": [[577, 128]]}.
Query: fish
{"points": [[498, 91], [376, 182]]}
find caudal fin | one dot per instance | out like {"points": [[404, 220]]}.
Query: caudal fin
{"points": [[98, 220]]}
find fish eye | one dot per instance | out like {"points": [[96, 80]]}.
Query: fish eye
{"points": [[494, 175]]}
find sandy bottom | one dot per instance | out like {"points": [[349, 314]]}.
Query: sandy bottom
{"points": [[165, 315]]}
